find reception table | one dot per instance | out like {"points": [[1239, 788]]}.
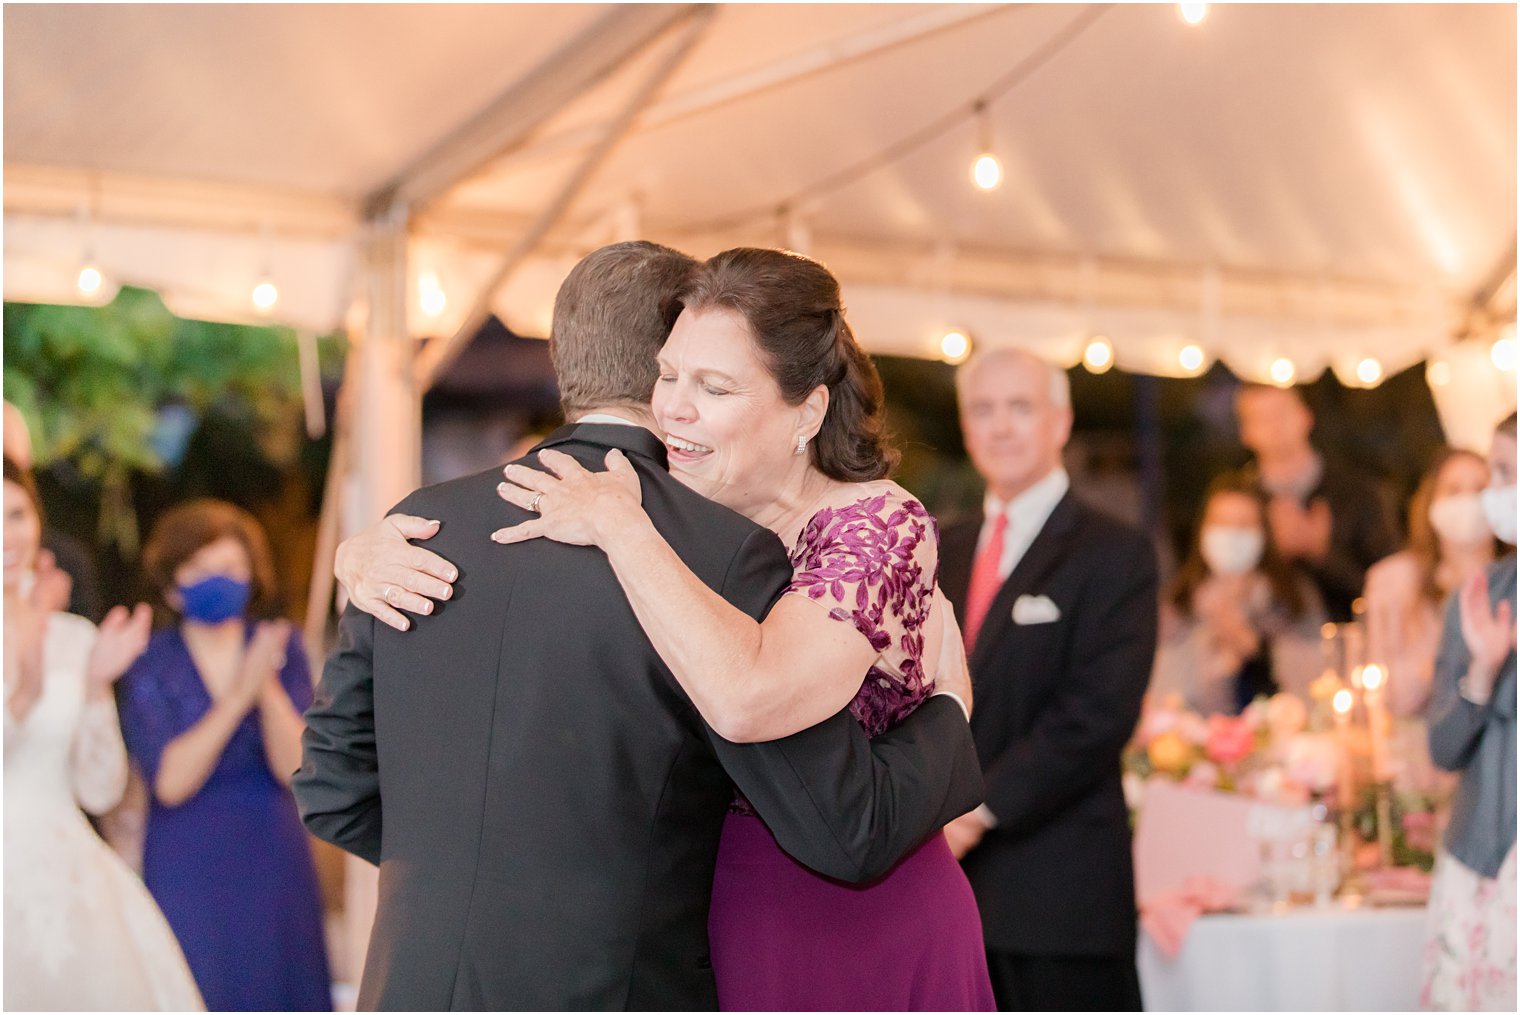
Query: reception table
{"points": [[1307, 959]]}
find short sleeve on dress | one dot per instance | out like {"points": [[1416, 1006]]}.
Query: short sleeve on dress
{"points": [[147, 718], [874, 563], [295, 676]]}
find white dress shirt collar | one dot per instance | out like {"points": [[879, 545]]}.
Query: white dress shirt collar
{"points": [[1027, 514], [607, 417]]}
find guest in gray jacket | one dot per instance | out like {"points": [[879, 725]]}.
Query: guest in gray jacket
{"points": [[1470, 957]]}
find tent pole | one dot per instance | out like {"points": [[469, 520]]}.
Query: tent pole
{"points": [[440, 353]]}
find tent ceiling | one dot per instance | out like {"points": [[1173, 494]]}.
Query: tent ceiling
{"points": [[1347, 172]]}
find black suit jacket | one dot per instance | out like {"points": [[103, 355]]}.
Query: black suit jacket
{"points": [[543, 800], [1055, 705]]}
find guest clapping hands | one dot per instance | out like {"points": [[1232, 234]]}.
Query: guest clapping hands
{"points": [[1240, 621]]}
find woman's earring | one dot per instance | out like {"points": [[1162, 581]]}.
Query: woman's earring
{"points": [[801, 444]]}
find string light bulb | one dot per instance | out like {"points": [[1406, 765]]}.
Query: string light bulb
{"points": [[1098, 357], [954, 347], [430, 294], [986, 170], [1282, 372], [1369, 371], [1504, 353], [89, 281], [265, 296], [1193, 13], [1190, 358]]}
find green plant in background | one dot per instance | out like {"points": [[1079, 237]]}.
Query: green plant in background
{"points": [[115, 390]]}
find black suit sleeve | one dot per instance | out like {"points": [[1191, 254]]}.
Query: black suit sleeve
{"points": [[338, 785], [840, 803], [1077, 736]]}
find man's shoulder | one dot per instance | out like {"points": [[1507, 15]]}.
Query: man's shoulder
{"points": [[1102, 534]]}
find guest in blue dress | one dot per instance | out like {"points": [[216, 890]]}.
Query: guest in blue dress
{"points": [[211, 714]]}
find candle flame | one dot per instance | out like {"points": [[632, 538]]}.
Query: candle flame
{"points": [[1372, 677], [1342, 701]]}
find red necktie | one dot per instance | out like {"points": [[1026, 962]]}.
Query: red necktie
{"points": [[985, 580]]}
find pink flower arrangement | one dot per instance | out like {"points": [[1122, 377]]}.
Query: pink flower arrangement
{"points": [[1230, 740]]}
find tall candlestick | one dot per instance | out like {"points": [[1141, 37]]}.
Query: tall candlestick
{"points": [[1377, 721], [1341, 704]]}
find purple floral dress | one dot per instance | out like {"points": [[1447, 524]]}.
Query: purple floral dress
{"points": [[876, 560], [787, 939]]}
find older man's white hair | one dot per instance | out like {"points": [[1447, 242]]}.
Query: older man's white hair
{"points": [[1060, 385]]}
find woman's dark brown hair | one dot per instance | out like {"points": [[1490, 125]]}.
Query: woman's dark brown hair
{"points": [[181, 533], [792, 307], [23, 478], [1423, 543], [1280, 577]]}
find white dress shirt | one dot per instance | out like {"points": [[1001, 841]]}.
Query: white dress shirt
{"points": [[1027, 514]]}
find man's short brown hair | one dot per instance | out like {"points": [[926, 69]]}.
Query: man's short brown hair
{"points": [[611, 316]]}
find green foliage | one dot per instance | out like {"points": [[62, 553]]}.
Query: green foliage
{"points": [[91, 382]]}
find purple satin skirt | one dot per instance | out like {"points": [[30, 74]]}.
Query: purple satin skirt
{"points": [[787, 939]]}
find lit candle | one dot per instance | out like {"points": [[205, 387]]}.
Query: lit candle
{"points": [[1342, 703], [1377, 720]]}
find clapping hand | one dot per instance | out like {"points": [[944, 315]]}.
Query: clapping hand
{"points": [[1489, 633], [122, 636], [51, 586], [1300, 532], [263, 659]]}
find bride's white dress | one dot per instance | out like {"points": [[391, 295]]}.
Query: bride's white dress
{"points": [[81, 931]]}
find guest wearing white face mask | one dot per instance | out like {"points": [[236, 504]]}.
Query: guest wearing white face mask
{"points": [[1449, 542], [1470, 952], [1238, 621]]}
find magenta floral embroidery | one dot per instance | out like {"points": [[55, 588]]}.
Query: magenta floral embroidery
{"points": [[876, 560]]}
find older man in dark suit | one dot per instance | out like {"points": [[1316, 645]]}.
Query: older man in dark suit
{"points": [[1059, 608], [542, 798]]}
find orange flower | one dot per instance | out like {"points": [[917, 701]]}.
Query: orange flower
{"points": [[1170, 753]]}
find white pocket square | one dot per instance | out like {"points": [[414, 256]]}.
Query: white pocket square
{"points": [[1035, 610]]}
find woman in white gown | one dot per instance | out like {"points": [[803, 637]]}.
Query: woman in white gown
{"points": [[81, 931]]}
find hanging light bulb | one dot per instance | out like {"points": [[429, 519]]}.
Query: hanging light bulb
{"points": [[1369, 371], [1190, 358], [986, 170], [1504, 353], [430, 294], [265, 296], [1283, 372], [1193, 13], [954, 347], [90, 280], [1438, 373], [1099, 355]]}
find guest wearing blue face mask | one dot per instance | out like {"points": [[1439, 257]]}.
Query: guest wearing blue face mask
{"points": [[211, 714]]}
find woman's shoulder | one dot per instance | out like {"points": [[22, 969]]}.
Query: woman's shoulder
{"points": [[1395, 576], [880, 499]]}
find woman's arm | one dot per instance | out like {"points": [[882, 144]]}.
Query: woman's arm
{"points": [[280, 715], [99, 755], [189, 759], [751, 681]]}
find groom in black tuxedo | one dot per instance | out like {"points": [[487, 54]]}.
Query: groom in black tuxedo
{"points": [[542, 798], [1059, 611]]}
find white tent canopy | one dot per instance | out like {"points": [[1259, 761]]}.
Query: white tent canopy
{"points": [[1292, 181]]}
